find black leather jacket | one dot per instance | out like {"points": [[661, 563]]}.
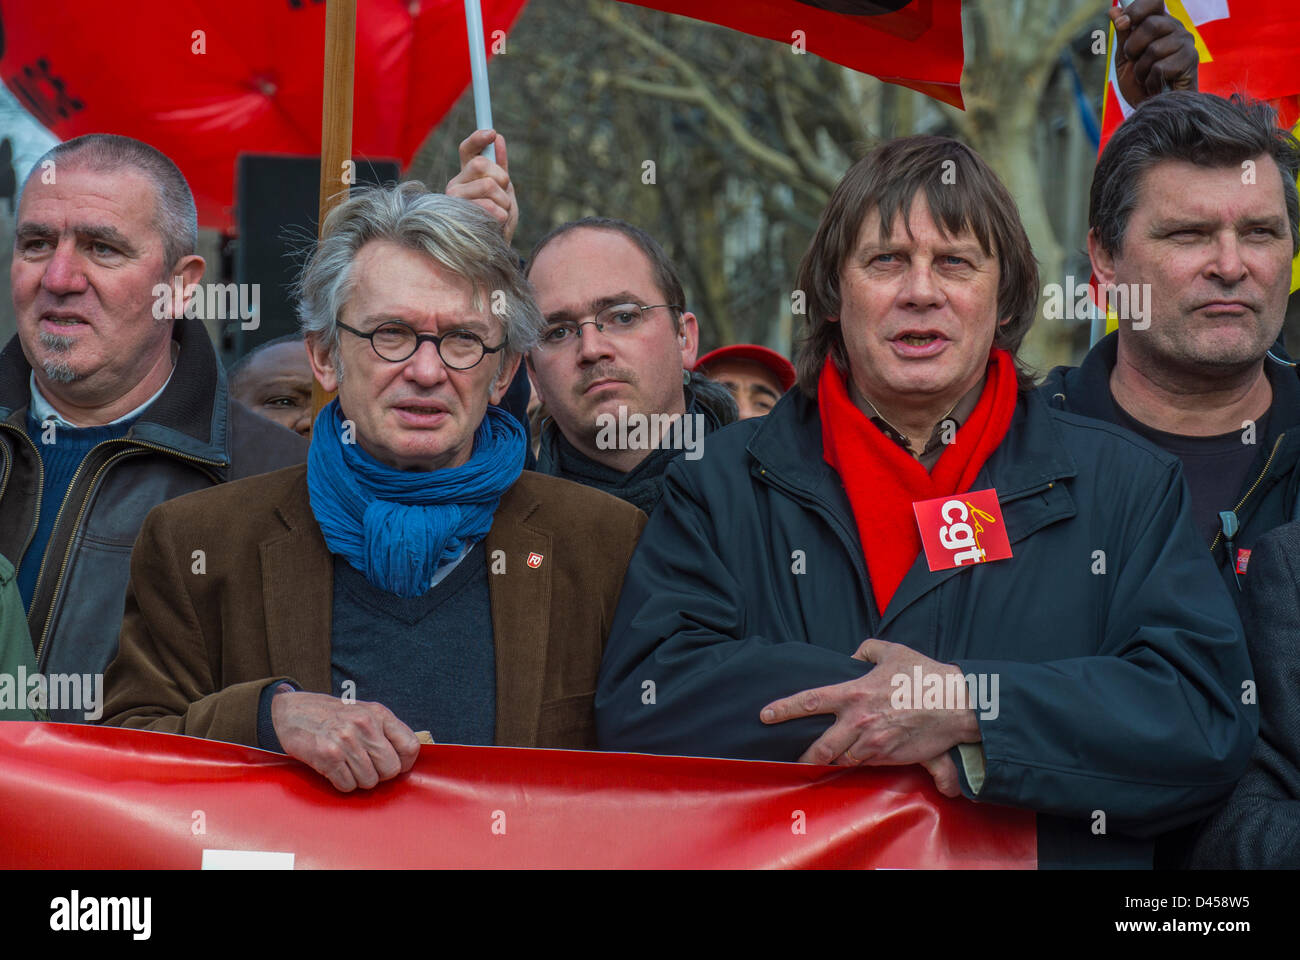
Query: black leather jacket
{"points": [[191, 437]]}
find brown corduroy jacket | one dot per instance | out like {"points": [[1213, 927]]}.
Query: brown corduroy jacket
{"points": [[205, 631]]}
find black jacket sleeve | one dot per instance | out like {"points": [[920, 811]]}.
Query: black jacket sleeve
{"points": [[1260, 824], [679, 675], [1152, 730]]}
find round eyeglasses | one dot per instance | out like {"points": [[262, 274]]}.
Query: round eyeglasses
{"points": [[396, 341], [618, 319]]}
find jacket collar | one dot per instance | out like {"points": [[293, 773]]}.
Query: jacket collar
{"points": [[298, 594], [1031, 460], [789, 445], [189, 417], [1085, 389]]}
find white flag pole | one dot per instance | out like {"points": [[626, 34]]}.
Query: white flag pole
{"points": [[478, 71]]}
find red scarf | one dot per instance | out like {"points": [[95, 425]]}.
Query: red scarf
{"points": [[883, 480]]}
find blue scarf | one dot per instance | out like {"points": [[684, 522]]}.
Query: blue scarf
{"points": [[398, 526]]}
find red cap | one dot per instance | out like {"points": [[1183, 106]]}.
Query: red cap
{"points": [[778, 364]]}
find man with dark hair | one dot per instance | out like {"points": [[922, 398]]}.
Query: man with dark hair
{"points": [[1194, 213], [1043, 629], [614, 364], [614, 367], [109, 404], [274, 381]]}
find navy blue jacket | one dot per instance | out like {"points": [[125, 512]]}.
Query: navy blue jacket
{"points": [[1119, 691], [1268, 496]]}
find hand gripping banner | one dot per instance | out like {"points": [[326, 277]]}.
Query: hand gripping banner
{"points": [[105, 798]]}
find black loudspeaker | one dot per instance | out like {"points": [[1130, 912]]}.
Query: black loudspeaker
{"points": [[277, 207]]}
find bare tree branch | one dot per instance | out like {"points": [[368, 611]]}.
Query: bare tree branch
{"points": [[1048, 51], [698, 92], [804, 151]]}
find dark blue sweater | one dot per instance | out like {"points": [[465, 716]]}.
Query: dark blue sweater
{"points": [[430, 659], [61, 457]]}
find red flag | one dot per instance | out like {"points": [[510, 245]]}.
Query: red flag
{"points": [[913, 43], [206, 80], [107, 798], [1245, 46]]}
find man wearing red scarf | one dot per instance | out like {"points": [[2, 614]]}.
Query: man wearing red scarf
{"points": [[913, 559]]}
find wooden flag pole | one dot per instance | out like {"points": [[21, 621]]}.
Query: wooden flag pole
{"points": [[336, 124]]}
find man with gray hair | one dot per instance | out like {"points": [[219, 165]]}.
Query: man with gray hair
{"points": [[411, 576], [1194, 221], [108, 404]]}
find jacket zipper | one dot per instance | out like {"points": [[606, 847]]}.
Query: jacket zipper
{"points": [[823, 508], [1258, 480], [81, 513]]}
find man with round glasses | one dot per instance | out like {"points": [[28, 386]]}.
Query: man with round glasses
{"points": [[411, 576], [613, 362]]}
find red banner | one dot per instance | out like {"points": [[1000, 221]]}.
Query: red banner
{"points": [[105, 798], [913, 43]]}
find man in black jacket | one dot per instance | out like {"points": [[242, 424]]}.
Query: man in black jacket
{"points": [[1193, 225], [111, 400], [615, 361], [1194, 215], [914, 559]]}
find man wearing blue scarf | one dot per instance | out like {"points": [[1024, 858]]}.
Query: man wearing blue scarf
{"points": [[411, 576]]}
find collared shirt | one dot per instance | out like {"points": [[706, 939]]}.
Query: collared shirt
{"points": [[943, 431], [42, 410]]}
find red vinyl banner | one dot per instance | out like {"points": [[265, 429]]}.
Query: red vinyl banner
{"points": [[89, 797]]}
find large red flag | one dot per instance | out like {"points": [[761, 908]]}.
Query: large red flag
{"points": [[1250, 47], [1245, 46], [206, 80], [914, 43], [100, 797]]}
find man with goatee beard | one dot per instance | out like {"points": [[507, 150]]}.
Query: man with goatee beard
{"points": [[105, 410]]}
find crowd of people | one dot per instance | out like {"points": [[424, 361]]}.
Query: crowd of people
{"points": [[726, 556]]}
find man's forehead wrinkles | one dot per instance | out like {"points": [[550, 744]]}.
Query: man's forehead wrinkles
{"points": [[414, 315]]}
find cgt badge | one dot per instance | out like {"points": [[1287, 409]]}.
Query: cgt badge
{"points": [[965, 528]]}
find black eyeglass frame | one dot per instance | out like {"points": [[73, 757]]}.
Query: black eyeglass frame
{"points": [[600, 325], [421, 338]]}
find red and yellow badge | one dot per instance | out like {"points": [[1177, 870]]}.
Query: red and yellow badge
{"points": [[966, 528]]}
